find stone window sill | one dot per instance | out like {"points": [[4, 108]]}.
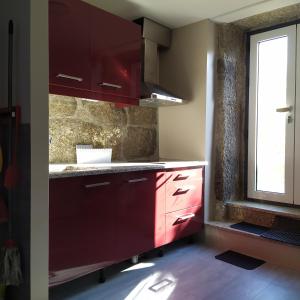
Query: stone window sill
{"points": [[290, 212]]}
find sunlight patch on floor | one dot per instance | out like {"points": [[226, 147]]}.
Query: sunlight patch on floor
{"points": [[139, 266], [156, 286]]}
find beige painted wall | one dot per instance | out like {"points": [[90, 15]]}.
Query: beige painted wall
{"points": [[187, 69], [183, 70], [39, 149]]}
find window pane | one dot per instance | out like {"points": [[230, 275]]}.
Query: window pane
{"points": [[271, 125]]}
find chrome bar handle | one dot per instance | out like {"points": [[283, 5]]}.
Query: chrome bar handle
{"points": [[179, 190], [69, 77], [111, 85], [186, 217], [284, 109], [137, 180], [89, 186]]}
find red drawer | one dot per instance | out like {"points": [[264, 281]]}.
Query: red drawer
{"points": [[181, 195], [184, 175], [183, 223]]}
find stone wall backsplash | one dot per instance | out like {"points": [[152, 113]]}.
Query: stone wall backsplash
{"points": [[131, 132]]}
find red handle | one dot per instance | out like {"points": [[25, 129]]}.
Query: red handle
{"points": [[17, 128]]}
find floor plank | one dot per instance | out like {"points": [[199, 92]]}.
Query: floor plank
{"points": [[186, 272]]}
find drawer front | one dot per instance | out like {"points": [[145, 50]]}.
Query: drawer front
{"points": [[183, 223], [184, 175], [181, 195]]}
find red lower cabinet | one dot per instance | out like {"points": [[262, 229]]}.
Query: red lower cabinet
{"points": [[99, 220], [82, 226], [183, 195], [183, 223], [140, 214], [184, 203]]}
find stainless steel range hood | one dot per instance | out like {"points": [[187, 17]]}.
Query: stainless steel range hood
{"points": [[154, 37]]}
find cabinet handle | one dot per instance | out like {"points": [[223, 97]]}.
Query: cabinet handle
{"points": [[181, 191], [111, 85], [69, 77], [186, 217], [181, 177], [137, 180], [89, 186], [284, 109]]}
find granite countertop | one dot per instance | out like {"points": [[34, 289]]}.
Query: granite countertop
{"points": [[73, 170]]}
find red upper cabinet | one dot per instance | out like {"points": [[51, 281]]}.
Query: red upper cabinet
{"points": [[93, 54], [116, 52], [69, 46]]}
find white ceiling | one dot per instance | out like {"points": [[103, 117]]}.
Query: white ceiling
{"points": [[177, 13]]}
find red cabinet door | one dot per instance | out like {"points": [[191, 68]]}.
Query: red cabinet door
{"points": [[183, 223], [140, 214], [116, 52], [69, 46], [160, 209], [82, 226]]}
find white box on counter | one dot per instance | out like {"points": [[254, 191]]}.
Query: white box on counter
{"points": [[87, 155]]}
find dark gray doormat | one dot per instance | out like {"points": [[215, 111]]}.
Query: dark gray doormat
{"points": [[292, 238], [240, 260], [244, 226], [285, 230]]}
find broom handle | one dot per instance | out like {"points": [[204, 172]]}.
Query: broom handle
{"points": [[10, 125]]}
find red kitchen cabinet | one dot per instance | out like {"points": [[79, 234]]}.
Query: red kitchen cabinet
{"points": [[69, 46], [184, 203], [93, 54], [99, 220], [184, 189], [140, 214], [82, 226], [183, 223], [116, 52]]}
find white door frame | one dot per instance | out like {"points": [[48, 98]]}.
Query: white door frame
{"points": [[287, 197], [297, 126]]}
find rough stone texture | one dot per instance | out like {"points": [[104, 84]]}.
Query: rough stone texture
{"points": [[75, 121], [220, 211], [230, 113], [142, 116], [61, 107], [275, 17], [230, 135], [140, 143], [247, 215], [103, 113]]}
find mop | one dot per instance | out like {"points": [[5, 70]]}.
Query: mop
{"points": [[3, 208], [10, 267]]}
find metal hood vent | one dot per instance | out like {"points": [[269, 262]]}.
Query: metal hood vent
{"points": [[154, 37]]}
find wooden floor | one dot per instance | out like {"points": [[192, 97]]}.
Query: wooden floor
{"points": [[186, 272]]}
